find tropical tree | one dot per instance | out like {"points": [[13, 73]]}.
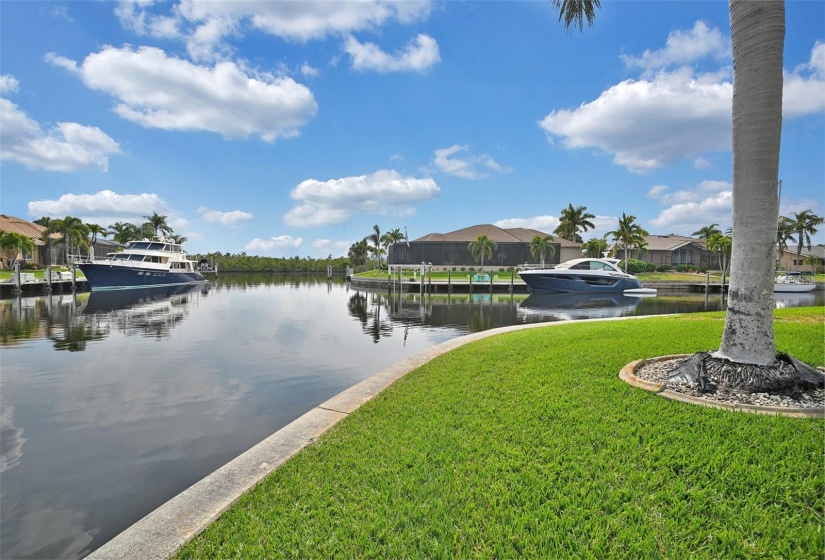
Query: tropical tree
{"points": [[94, 231], [375, 238], [706, 232], [72, 232], [46, 237], [179, 239], [540, 246], [481, 247], [594, 247], [757, 39], [391, 237], [721, 245], [628, 235], [784, 234], [122, 232], [804, 226], [358, 253], [158, 223], [13, 244], [573, 220]]}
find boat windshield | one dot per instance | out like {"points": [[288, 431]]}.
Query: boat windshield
{"points": [[588, 265]]}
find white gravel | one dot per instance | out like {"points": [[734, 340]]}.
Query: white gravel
{"points": [[658, 372]]}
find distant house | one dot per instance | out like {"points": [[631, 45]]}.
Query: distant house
{"points": [[786, 260], [10, 224], [512, 248], [675, 250], [34, 231]]}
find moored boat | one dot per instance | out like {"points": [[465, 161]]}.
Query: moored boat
{"points": [[146, 263], [793, 282], [581, 275]]}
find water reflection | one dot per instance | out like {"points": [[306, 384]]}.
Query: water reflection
{"points": [[560, 307], [150, 312]]}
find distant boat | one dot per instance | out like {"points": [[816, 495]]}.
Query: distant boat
{"points": [[142, 264], [793, 282], [581, 275]]}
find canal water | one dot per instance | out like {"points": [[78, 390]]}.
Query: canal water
{"points": [[113, 403]]}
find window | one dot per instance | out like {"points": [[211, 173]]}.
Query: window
{"points": [[682, 256]]}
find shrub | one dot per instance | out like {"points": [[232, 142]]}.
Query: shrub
{"points": [[454, 269], [682, 268], [462, 269], [634, 266], [663, 268], [650, 267]]}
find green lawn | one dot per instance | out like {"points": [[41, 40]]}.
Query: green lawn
{"points": [[528, 445]]}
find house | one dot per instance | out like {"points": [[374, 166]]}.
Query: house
{"points": [[10, 224], [512, 248], [34, 231], [809, 259], [675, 250]]}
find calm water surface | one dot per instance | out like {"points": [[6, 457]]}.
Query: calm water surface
{"points": [[113, 403]]}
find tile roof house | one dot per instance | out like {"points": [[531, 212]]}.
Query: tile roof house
{"points": [[674, 250], [10, 224], [512, 247], [787, 259], [34, 231]]}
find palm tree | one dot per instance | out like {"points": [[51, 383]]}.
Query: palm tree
{"points": [[757, 38], [375, 237], [179, 239], [784, 234], [804, 226], [576, 11], [594, 247], [572, 221], [482, 247], [46, 236], [122, 232], [540, 246], [706, 232], [72, 233], [14, 244], [94, 230], [629, 234], [358, 253], [721, 245], [158, 223]]}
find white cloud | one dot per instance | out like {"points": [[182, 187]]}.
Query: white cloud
{"points": [[333, 201], [205, 26], [542, 223], [804, 88], [669, 116], [8, 84], [467, 166], [224, 218], [274, 246], [133, 15], [710, 202], [649, 124], [307, 70], [105, 208], [156, 91], [419, 55], [330, 247], [65, 147], [683, 47]]}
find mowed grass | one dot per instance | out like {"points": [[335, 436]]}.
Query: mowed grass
{"points": [[528, 445]]}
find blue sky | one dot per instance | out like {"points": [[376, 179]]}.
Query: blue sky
{"points": [[291, 128]]}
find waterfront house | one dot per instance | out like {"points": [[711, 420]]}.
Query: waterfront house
{"points": [[451, 249]]}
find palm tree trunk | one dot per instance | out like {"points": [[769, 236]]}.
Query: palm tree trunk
{"points": [[757, 33]]}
